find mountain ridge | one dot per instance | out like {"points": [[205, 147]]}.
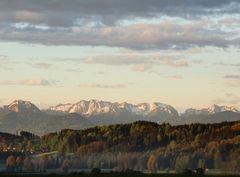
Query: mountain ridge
{"points": [[210, 110], [24, 115], [93, 107], [22, 106], [104, 107]]}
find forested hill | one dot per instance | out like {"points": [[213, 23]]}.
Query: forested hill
{"points": [[142, 145], [137, 136], [142, 135], [146, 145]]}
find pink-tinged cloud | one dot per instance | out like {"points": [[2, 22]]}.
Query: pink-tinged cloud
{"points": [[28, 16], [142, 67], [174, 63], [165, 35], [140, 63]]}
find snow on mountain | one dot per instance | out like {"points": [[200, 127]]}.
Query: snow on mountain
{"points": [[94, 107], [21, 106], [215, 109], [63, 107], [97, 107], [210, 110]]}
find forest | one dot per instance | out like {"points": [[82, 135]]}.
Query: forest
{"points": [[138, 146]]}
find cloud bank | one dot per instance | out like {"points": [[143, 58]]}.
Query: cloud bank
{"points": [[62, 13], [135, 24]]}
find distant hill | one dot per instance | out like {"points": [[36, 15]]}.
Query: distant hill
{"points": [[22, 115]]}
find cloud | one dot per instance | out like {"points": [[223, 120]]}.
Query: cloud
{"points": [[74, 70], [116, 59], [30, 82], [197, 61], [232, 80], [141, 62], [233, 83], [229, 21], [170, 62], [227, 64], [233, 98], [228, 99], [104, 86], [42, 65], [167, 34], [135, 24], [177, 76], [5, 60], [28, 16], [100, 72], [142, 67], [62, 13], [164, 75], [235, 77]]}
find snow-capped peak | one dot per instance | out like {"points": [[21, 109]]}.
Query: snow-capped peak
{"points": [[210, 110], [22, 106], [215, 109], [93, 107]]}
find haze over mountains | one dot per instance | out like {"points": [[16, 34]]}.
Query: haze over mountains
{"points": [[23, 115]]}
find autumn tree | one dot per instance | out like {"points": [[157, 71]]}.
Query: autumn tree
{"points": [[182, 162], [217, 160], [61, 151], [28, 164], [19, 163], [11, 163], [42, 163], [152, 163], [66, 165]]}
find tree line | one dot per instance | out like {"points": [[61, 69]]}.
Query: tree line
{"points": [[142, 145]]}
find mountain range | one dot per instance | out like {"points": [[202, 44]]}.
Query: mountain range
{"points": [[24, 115]]}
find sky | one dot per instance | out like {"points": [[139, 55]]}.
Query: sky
{"points": [[185, 53]]}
